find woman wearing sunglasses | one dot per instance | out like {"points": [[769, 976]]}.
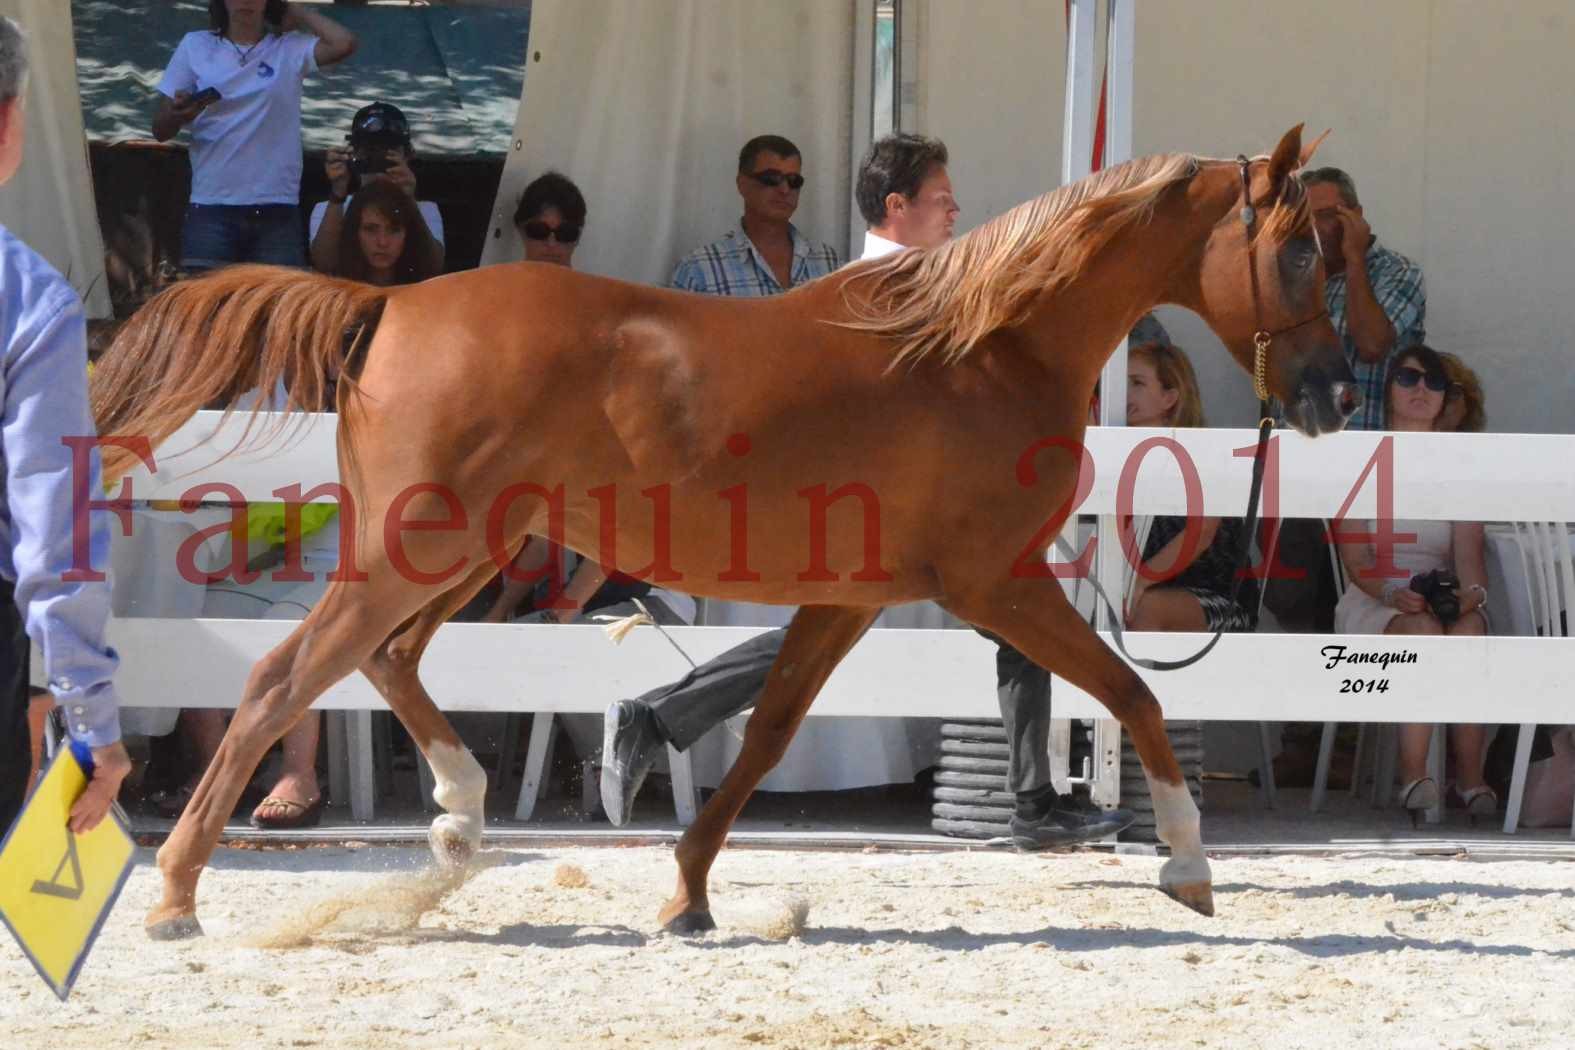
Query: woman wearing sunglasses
{"points": [[1415, 395], [550, 218]]}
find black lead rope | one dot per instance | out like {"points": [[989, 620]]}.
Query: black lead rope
{"points": [[1243, 552], [1261, 340]]}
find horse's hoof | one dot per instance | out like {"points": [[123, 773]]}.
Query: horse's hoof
{"points": [[452, 841], [175, 928], [690, 923], [1199, 896]]}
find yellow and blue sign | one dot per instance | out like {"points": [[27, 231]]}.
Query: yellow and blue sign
{"points": [[56, 887]]}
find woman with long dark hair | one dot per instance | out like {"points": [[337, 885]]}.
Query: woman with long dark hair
{"points": [[385, 240], [238, 84]]}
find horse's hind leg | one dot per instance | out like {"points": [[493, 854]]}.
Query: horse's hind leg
{"points": [[336, 637], [461, 782], [186, 851], [1040, 622], [817, 640]]}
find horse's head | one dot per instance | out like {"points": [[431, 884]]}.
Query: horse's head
{"points": [[1262, 285]]}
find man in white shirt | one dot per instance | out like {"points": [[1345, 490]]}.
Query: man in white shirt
{"points": [[905, 195], [379, 148]]}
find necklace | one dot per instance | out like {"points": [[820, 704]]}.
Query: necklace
{"points": [[247, 54]]}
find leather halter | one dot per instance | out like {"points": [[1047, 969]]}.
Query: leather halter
{"points": [[1262, 338]]}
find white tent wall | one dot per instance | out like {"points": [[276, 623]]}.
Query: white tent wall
{"points": [[1451, 115], [49, 202], [645, 107]]}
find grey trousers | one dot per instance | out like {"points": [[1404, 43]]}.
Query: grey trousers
{"points": [[722, 687]]}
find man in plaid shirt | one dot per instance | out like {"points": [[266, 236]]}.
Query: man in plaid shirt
{"points": [[765, 254], [1378, 307]]}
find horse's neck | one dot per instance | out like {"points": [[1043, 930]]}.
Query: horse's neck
{"points": [[1151, 263]]}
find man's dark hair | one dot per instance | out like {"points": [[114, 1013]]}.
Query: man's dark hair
{"points": [[764, 144], [551, 190], [219, 15], [895, 164], [1334, 177]]}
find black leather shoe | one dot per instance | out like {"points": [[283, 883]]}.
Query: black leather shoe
{"points": [[630, 744], [1064, 825]]}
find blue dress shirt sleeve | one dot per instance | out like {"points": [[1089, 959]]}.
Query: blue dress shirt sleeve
{"points": [[45, 390]]}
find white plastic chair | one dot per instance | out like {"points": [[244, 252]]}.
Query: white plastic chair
{"points": [[1549, 572]]}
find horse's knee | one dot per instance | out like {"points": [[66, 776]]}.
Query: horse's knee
{"points": [[392, 663]]}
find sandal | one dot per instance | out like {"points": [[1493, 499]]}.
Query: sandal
{"points": [[1417, 796], [1480, 801], [296, 815]]}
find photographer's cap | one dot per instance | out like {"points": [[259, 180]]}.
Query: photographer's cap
{"points": [[380, 123]]}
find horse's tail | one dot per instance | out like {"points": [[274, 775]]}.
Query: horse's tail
{"points": [[207, 342]]}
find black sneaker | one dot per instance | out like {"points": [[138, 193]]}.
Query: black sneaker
{"points": [[1064, 824], [630, 744]]}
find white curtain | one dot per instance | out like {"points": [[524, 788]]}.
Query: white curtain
{"points": [[645, 107], [49, 202]]}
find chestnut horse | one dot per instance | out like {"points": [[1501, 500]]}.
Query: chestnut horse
{"points": [[702, 437]]}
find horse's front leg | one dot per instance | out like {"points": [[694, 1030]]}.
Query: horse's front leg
{"points": [[1035, 616], [816, 641]]}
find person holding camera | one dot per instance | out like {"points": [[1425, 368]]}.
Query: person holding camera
{"points": [[238, 86], [1443, 589], [377, 149], [1377, 298]]}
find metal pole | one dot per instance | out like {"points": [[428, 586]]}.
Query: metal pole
{"points": [[1077, 131], [863, 114]]}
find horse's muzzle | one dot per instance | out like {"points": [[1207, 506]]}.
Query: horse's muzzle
{"points": [[1323, 408]]}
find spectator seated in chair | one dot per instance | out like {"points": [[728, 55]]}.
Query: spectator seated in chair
{"points": [[550, 219], [1185, 579], [378, 150], [765, 254], [1438, 585]]}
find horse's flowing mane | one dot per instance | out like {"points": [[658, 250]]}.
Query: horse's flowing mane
{"points": [[944, 301]]}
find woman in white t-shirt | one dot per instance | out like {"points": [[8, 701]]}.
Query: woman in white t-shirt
{"points": [[238, 84]]}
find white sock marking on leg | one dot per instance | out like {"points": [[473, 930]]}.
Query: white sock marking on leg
{"points": [[1178, 825]]}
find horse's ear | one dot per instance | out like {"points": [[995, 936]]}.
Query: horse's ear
{"points": [[1311, 148], [1285, 159]]}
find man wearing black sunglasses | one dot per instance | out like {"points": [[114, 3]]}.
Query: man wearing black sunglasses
{"points": [[766, 253]]}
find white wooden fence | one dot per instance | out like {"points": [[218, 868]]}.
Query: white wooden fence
{"points": [[1276, 677]]}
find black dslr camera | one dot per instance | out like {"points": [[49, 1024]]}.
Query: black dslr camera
{"points": [[368, 159], [1440, 588], [376, 131]]}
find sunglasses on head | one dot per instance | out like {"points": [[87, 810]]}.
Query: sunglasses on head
{"points": [[567, 233], [772, 177], [1408, 377]]}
